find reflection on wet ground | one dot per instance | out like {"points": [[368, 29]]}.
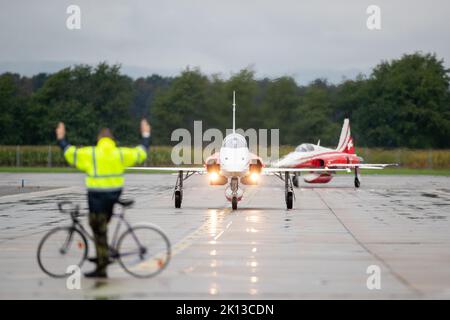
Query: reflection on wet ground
{"points": [[321, 249]]}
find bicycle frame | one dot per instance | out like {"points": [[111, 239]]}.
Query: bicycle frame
{"points": [[112, 246], [124, 243]]}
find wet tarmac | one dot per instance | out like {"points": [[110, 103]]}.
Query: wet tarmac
{"points": [[320, 249]]}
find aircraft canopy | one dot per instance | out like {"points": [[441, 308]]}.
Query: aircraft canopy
{"points": [[305, 147], [234, 141]]}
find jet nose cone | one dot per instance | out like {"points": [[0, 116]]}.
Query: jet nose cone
{"points": [[233, 167]]}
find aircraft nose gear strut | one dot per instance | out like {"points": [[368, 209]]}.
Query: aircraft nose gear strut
{"points": [[234, 185]]}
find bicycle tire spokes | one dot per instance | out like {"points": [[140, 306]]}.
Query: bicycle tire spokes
{"points": [[66, 245], [144, 251], [56, 251]]}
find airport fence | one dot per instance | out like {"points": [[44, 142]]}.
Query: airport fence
{"points": [[51, 156]]}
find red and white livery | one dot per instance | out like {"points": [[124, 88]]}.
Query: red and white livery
{"points": [[314, 156]]}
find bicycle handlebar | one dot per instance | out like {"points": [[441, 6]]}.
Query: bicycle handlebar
{"points": [[63, 203], [74, 211]]}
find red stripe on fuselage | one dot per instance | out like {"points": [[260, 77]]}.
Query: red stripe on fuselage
{"points": [[341, 158]]}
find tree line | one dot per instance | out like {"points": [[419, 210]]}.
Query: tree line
{"points": [[404, 102]]}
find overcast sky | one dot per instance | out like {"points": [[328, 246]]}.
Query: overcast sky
{"points": [[304, 39]]}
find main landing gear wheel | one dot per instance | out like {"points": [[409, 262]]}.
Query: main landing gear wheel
{"points": [[178, 199], [234, 203], [178, 193], [288, 191], [295, 180], [289, 199], [357, 182]]}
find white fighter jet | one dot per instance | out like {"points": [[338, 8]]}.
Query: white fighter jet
{"points": [[235, 164]]}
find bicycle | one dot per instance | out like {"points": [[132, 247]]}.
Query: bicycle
{"points": [[142, 250]]}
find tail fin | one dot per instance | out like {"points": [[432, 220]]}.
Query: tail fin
{"points": [[346, 140]]}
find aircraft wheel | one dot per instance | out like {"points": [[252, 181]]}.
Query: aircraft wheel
{"points": [[234, 203], [357, 182], [178, 199], [295, 181], [289, 199]]}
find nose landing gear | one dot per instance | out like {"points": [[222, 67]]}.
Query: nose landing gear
{"points": [[234, 185], [234, 203]]}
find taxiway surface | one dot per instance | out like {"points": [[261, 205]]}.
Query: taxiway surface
{"points": [[320, 249]]}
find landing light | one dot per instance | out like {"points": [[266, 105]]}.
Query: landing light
{"points": [[213, 176], [254, 176]]}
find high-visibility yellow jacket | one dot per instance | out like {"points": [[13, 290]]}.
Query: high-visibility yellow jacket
{"points": [[104, 163]]}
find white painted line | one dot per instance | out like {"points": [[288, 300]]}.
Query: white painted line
{"points": [[218, 236]]}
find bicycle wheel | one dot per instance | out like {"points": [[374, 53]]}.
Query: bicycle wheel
{"points": [[144, 251], [61, 248]]}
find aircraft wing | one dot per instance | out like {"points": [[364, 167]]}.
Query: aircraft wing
{"points": [[377, 166], [172, 169], [293, 170]]}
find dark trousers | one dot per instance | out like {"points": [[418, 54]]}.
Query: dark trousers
{"points": [[101, 206]]}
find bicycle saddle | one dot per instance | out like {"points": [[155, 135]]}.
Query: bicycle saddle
{"points": [[125, 202]]}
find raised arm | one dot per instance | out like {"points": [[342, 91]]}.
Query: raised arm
{"points": [[60, 132], [137, 155], [146, 131], [77, 157]]}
